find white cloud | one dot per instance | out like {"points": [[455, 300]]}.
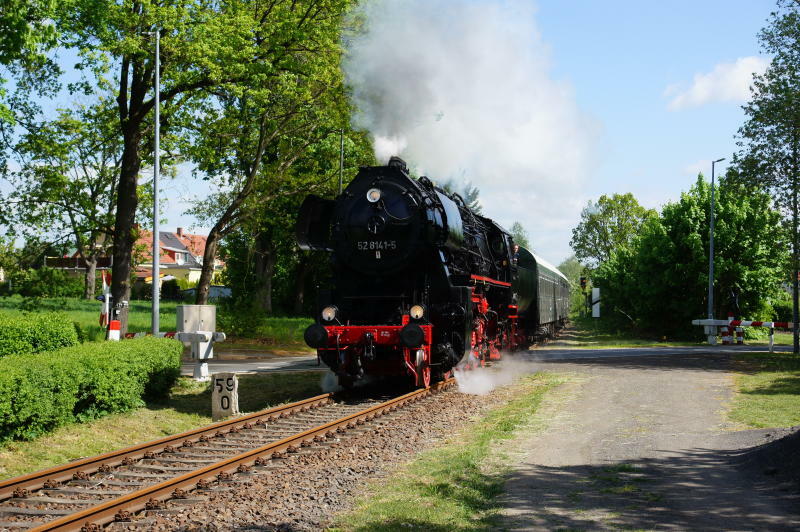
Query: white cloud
{"points": [[696, 167], [463, 90], [704, 166], [727, 82]]}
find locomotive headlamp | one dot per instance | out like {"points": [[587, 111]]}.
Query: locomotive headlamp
{"points": [[417, 312], [373, 195], [329, 313]]}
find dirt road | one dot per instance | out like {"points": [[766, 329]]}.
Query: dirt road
{"points": [[642, 443]]}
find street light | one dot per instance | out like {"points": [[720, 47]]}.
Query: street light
{"points": [[156, 169], [711, 248]]}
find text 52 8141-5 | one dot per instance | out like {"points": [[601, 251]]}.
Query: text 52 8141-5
{"points": [[373, 245]]}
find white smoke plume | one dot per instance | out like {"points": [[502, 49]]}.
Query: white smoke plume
{"points": [[482, 381], [462, 90]]}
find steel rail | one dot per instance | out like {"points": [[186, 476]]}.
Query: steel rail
{"points": [[122, 508], [35, 481]]}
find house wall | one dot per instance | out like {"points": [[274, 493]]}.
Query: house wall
{"points": [[181, 273]]}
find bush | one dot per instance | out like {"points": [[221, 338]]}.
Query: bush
{"points": [[782, 310], [43, 391], [25, 334], [46, 282]]}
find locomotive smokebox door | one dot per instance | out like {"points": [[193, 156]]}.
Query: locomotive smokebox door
{"points": [[313, 229]]}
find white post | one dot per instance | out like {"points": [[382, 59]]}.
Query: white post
{"points": [[711, 331], [771, 339], [595, 302]]}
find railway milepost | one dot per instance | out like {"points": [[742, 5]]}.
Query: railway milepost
{"points": [[224, 395]]}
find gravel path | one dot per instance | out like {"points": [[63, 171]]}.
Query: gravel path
{"points": [[642, 443]]}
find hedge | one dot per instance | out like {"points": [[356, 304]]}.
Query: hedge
{"points": [[22, 334], [46, 390]]}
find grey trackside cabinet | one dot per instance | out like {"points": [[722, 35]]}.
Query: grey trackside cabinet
{"points": [[197, 325]]}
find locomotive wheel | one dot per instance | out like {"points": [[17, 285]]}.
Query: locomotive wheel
{"points": [[346, 383], [426, 376]]}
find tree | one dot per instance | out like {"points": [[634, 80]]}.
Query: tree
{"points": [[205, 46], [26, 30], [65, 182], [469, 193], [26, 33], [520, 235], [659, 281], [251, 147], [769, 140], [606, 226], [574, 270], [263, 246]]}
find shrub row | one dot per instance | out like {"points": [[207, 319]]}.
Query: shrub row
{"points": [[43, 391], [23, 334], [43, 282]]}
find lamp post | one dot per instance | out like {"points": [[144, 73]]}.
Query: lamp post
{"points": [[156, 170], [341, 158], [711, 248]]}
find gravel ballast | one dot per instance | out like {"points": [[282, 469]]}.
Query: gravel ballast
{"points": [[305, 490]]}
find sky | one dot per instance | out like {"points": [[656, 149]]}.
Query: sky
{"points": [[658, 77], [593, 98], [548, 104]]}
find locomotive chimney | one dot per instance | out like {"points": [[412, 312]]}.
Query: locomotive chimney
{"points": [[397, 162]]}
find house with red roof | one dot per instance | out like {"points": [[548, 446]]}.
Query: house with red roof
{"points": [[181, 255]]}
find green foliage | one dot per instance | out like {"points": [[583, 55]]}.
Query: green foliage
{"points": [[25, 31], [44, 282], [264, 268], [24, 334], [170, 290], [63, 176], [255, 324], [769, 140], [43, 391], [468, 192], [782, 309], [85, 313], [659, 281], [574, 270], [520, 235], [606, 226]]}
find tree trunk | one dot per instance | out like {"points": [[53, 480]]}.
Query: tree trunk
{"points": [[90, 277], [204, 284], [795, 267], [127, 201], [303, 267], [265, 259]]}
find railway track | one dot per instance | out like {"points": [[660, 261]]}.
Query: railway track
{"points": [[90, 493]]}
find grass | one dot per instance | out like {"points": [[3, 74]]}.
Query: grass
{"points": [[251, 328], [591, 333], [453, 487], [281, 332], [767, 390], [188, 407], [86, 313]]}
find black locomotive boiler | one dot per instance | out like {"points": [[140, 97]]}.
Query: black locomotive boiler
{"points": [[421, 284]]}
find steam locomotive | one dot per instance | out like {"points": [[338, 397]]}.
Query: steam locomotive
{"points": [[421, 283]]}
